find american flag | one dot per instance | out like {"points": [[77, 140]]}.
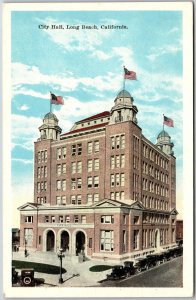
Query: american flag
{"points": [[56, 99], [131, 75], [167, 121]]}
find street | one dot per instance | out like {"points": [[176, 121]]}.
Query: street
{"points": [[168, 274]]}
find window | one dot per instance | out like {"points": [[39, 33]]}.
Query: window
{"points": [[58, 184], [90, 147], [112, 195], [73, 150], [79, 167], [122, 137], [39, 157], [76, 219], [136, 220], [122, 160], [46, 219], [96, 164], [96, 146], [112, 162], [38, 187], [122, 179], [79, 149], [79, 199], [46, 156], [38, 172], [117, 142], [79, 183], [45, 185], [73, 199], [29, 219], [135, 239], [83, 219], [58, 200], [73, 183], [67, 219], [64, 152], [60, 219], [90, 182], [64, 185], [42, 156], [40, 239], [124, 240], [58, 169], [64, 200], [96, 181], [117, 179], [45, 171], [112, 141], [107, 240], [89, 165], [112, 183], [117, 161], [53, 219], [73, 167], [28, 236], [107, 219], [64, 168], [58, 153], [42, 171], [96, 198], [89, 198]]}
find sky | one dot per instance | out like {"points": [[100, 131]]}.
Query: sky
{"points": [[85, 66]]}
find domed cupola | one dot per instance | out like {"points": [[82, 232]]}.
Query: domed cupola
{"points": [[50, 129], [123, 110], [164, 142]]}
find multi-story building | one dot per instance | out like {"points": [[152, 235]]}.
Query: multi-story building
{"points": [[101, 188]]}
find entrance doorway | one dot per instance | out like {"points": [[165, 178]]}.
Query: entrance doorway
{"points": [[65, 241], [50, 241], [80, 242], [157, 238]]}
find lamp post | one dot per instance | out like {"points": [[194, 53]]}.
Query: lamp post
{"points": [[25, 251], [60, 256]]}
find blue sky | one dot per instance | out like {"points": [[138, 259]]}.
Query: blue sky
{"points": [[86, 68]]}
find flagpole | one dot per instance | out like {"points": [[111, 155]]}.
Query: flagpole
{"points": [[163, 122], [123, 83], [50, 103]]}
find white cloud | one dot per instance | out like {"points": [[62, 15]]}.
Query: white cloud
{"points": [[24, 107], [166, 49], [24, 161]]}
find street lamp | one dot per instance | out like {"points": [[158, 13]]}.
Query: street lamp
{"points": [[25, 251], [60, 256]]}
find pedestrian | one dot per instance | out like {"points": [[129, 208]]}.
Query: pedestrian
{"points": [[25, 253]]}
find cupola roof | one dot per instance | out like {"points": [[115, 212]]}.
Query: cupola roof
{"points": [[51, 116], [123, 93], [163, 133]]}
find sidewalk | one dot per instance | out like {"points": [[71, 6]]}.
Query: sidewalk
{"points": [[77, 275]]}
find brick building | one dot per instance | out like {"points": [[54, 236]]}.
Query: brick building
{"points": [[102, 188]]}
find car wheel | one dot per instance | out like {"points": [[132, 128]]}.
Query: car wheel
{"points": [[139, 270], [147, 267], [158, 263], [127, 274]]}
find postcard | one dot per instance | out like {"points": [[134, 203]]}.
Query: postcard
{"points": [[98, 149]]}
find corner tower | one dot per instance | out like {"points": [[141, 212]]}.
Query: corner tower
{"points": [[50, 129], [123, 110], [164, 143]]}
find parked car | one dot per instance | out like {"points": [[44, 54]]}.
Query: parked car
{"points": [[153, 260], [27, 277], [118, 272], [142, 264], [129, 268]]}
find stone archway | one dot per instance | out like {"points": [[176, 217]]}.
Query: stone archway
{"points": [[80, 242], [64, 244], [157, 239], [50, 241]]}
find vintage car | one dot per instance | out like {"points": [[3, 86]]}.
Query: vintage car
{"points": [[153, 259], [118, 272], [142, 264], [129, 268]]}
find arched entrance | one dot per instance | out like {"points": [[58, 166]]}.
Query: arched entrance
{"points": [[50, 241], [157, 238], [65, 240], [80, 242]]}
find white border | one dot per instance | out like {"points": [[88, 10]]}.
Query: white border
{"points": [[187, 290]]}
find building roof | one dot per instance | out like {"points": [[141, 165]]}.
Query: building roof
{"points": [[51, 116], [85, 128], [100, 115], [123, 93], [163, 133]]}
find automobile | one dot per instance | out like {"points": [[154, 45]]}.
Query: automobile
{"points": [[118, 272], [153, 260], [27, 277], [141, 264], [129, 268], [177, 251], [160, 258]]}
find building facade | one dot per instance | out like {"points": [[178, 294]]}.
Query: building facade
{"points": [[102, 188]]}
